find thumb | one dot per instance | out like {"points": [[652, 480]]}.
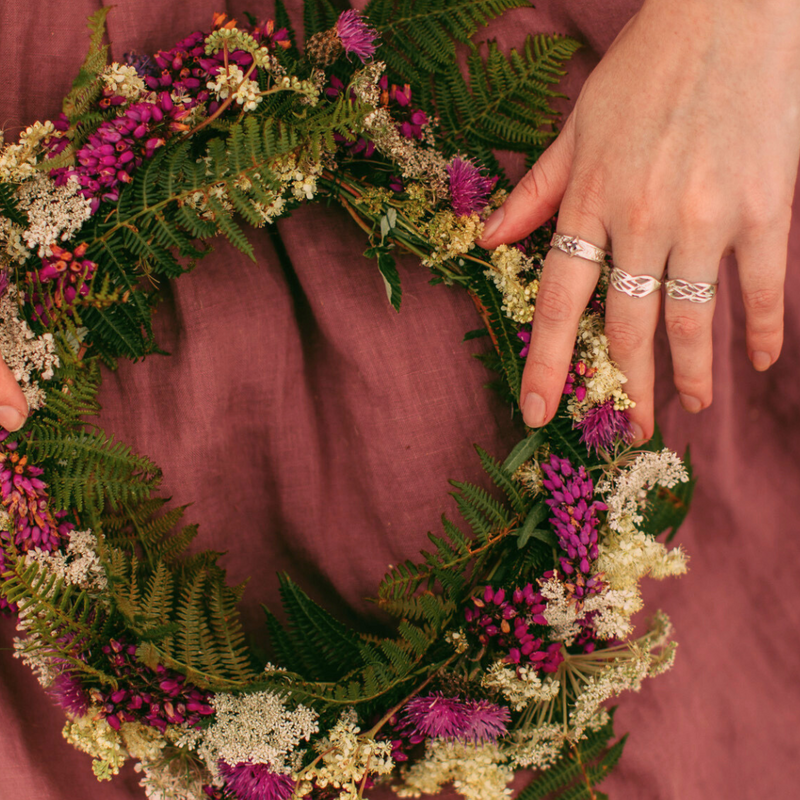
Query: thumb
{"points": [[536, 197], [13, 408]]}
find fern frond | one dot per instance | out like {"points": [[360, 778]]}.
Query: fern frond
{"points": [[87, 85]]}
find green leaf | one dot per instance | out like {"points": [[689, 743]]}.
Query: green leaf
{"points": [[391, 278], [529, 527], [524, 451], [8, 206]]}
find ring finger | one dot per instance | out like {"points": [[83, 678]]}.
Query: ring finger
{"points": [[688, 314]]}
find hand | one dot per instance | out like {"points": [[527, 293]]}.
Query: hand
{"points": [[682, 147], [13, 408]]}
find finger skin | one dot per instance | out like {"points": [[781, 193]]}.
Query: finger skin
{"points": [[762, 269], [536, 197], [13, 408]]}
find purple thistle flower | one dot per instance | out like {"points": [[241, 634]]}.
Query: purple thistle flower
{"points": [[441, 717], [256, 781], [602, 425], [574, 516], [469, 187], [69, 693], [356, 35]]}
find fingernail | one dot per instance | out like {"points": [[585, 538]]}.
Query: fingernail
{"points": [[11, 419], [493, 223], [691, 404], [761, 360], [533, 410], [638, 433]]}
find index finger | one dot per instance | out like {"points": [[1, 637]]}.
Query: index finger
{"points": [[13, 407], [565, 289]]}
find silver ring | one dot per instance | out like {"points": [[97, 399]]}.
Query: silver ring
{"points": [[573, 246], [633, 285], [679, 289]]}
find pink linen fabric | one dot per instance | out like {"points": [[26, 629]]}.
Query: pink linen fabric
{"points": [[313, 429]]}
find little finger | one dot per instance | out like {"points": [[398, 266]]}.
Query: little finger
{"points": [[13, 407], [762, 269]]}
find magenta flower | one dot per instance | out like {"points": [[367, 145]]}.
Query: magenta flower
{"points": [[356, 36], [256, 781], [469, 187], [574, 511], [69, 693], [441, 717], [603, 425], [508, 621]]}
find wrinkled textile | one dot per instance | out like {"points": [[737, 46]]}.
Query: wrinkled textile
{"points": [[313, 429]]}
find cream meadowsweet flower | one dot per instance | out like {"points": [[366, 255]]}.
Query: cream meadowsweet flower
{"points": [[93, 735], [123, 80], [626, 490], [347, 757], [29, 357], [476, 772], [232, 82], [519, 294], [521, 686]]}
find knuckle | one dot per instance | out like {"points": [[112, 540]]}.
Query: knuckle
{"points": [[534, 184], [698, 212], [684, 327], [587, 194], [540, 373], [762, 213], [763, 301], [554, 304], [640, 217], [625, 337]]}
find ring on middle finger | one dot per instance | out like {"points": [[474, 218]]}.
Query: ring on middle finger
{"points": [[633, 285]]}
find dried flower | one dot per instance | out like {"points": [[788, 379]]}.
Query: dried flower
{"points": [[443, 717]]}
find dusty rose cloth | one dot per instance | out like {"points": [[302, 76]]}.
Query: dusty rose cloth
{"points": [[313, 429]]}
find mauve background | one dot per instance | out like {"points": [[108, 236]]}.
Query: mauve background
{"points": [[313, 429]]}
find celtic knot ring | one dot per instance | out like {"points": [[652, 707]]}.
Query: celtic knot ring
{"points": [[679, 289], [633, 285], [573, 246]]}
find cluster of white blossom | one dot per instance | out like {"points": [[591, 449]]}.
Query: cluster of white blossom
{"points": [[54, 212], [346, 758], [123, 80], [78, 566], [476, 771], [18, 161], [607, 673], [608, 612], [603, 380], [93, 735], [416, 159], [450, 236], [521, 686], [170, 779], [232, 82], [519, 293], [625, 491], [256, 727], [535, 748], [457, 640], [627, 554], [29, 357], [12, 245]]}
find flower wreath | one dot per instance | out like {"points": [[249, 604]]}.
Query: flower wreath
{"points": [[509, 636]]}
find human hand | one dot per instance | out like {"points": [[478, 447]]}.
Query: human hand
{"points": [[13, 407], [682, 147]]}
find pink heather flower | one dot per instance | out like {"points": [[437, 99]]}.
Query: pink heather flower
{"points": [[256, 781], [443, 717], [602, 425], [524, 334], [356, 36], [469, 187]]}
